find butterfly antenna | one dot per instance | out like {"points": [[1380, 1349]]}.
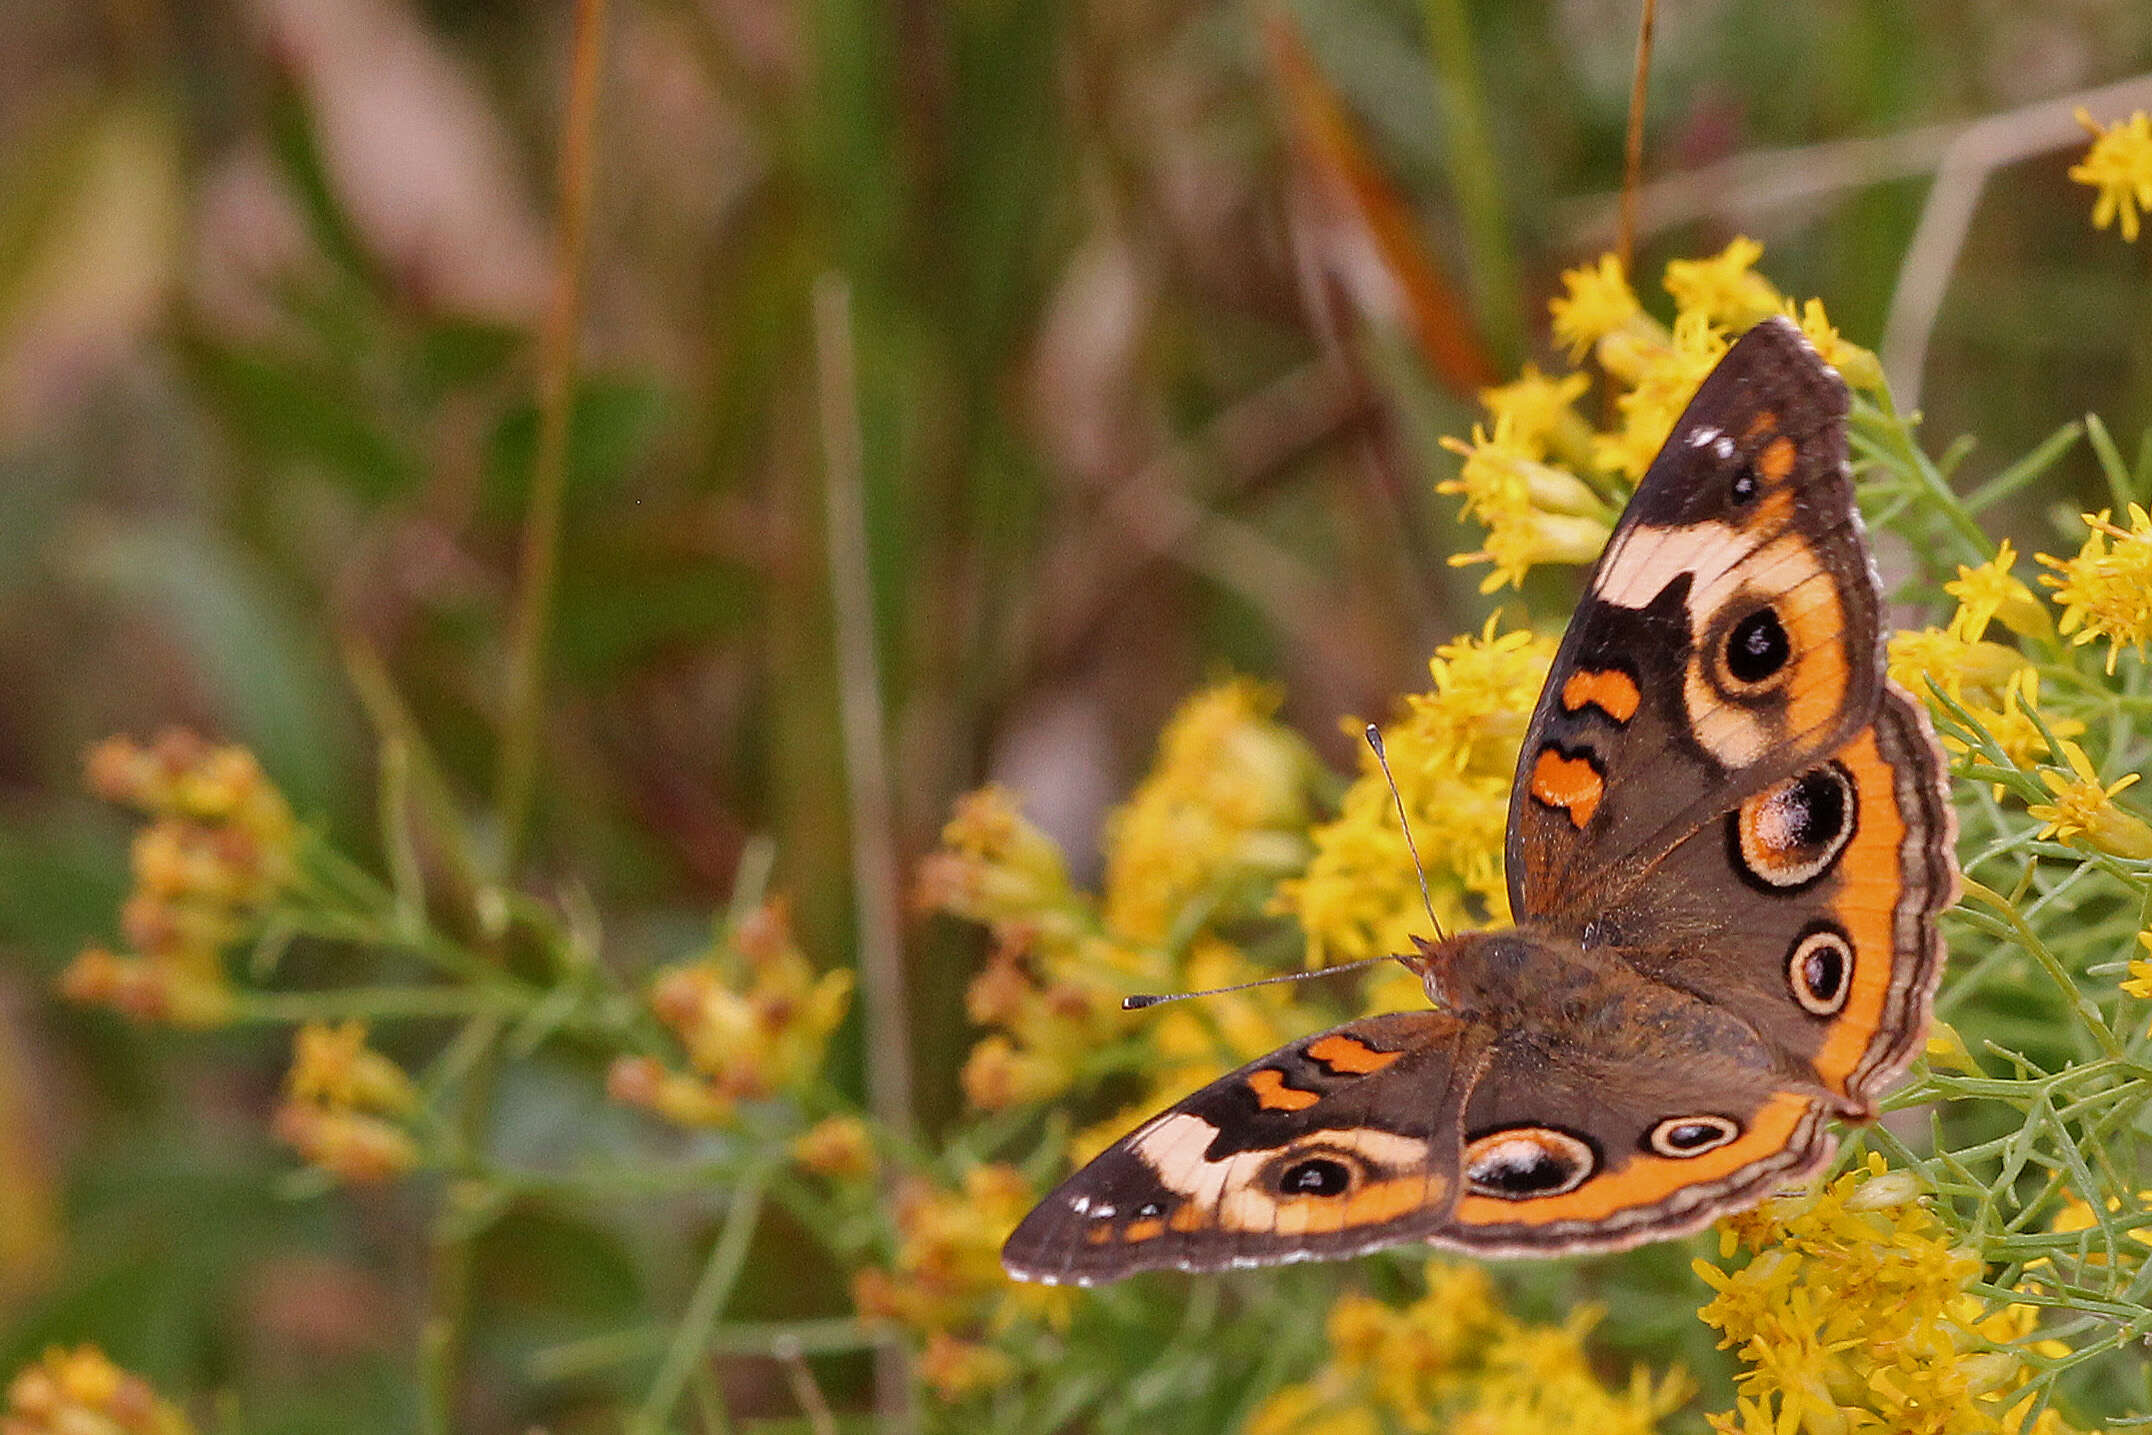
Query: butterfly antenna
{"points": [[1374, 740], [1150, 999]]}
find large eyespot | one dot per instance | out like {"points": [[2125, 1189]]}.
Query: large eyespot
{"points": [[1684, 1136], [1524, 1162], [1315, 1176], [1820, 970], [1756, 647], [1789, 834]]}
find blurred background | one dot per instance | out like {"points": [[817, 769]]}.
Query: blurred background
{"points": [[1133, 415]]}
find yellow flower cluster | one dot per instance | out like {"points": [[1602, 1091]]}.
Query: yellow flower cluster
{"points": [[2119, 166], [1853, 1313], [2084, 812], [1222, 815], [946, 1283], [2105, 591], [1992, 681], [81, 1392], [1456, 1361], [1453, 755], [218, 849], [753, 1017], [342, 1105], [1542, 483]]}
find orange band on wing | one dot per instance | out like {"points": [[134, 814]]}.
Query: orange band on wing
{"points": [[1272, 1094], [1776, 460], [1866, 906], [1611, 689], [1647, 1179], [1570, 783], [1353, 1058], [1763, 423]]}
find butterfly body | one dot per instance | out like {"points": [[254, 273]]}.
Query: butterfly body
{"points": [[1728, 845]]}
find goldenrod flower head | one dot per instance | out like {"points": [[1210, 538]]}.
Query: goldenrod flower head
{"points": [[1453, 756], [1598, 302], [1313, 1409], [840, 1147], [1226, 801], [1534, 513], [2119, 166], [1855, 1314], [1537, 414], [946, 1273], [81, 1392], [2107, 592], [1724, 289], [752, 1014], [2084, 812], [220, 847], [1988, 591], [1968, 670], [1666, 378], [2011, 727], [2139, 981], [341, 1101], [954, 1368], [1455, 1360], [1856, 365], [997, 868], [333, 1066], [2075, 1214]]}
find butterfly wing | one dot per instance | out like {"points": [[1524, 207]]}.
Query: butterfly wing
{"points": [[1811, 908], [1333, 1145], [1728, 636], [1579, 1135]]}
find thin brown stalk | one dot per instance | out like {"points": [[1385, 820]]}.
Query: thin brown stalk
{"points": [[1632, 176], [557, 338]]}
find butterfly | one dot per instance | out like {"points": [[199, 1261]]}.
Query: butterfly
{"points": [[1729, 845]]}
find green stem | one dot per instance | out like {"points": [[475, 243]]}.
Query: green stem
{"points": [[698, 1326], [374, 1003], [1476, 178]]}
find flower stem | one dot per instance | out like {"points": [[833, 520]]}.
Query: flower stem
{"points": [[698, 1326]]}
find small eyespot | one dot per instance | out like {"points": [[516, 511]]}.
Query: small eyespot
{"points": [[1685, 1136], [1317, 1176], [1789, 834], [1745, 487], [1757, 647], [1820, 971], [1149, 1211], [1525, 1162]]}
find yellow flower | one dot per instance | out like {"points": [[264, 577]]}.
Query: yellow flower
{"points": [[836, 1146], [218, 850], [1599, 302], [340, 1104], [1537, 411], [2011, 726], [1989, 591], [1455, 1360], [1969, 671], [2107, 593], [1453, 755], [81, 1392], [955, 1368], [2083, 809], [946, 1274], [1664, 379], [1534, 513], [995, 867], [1858, 366], [752, 1014], [2119, 165], [2139, 982], [1855, 1314], [1312, 1409], [1724, 289], [1225, 802]]}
